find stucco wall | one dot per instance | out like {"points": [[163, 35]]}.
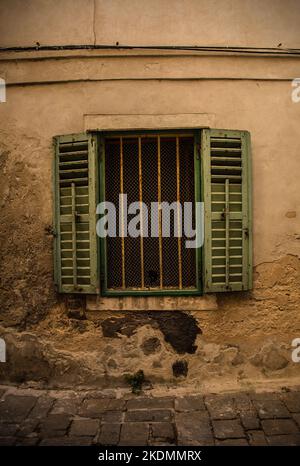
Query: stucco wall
{"points": [[244, 23], [232, 338]]}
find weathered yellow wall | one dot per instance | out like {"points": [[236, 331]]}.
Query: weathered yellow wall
{"points": [[244, 335], [244, 23]]}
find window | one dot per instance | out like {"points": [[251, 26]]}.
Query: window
{"points": [[206, 165], [150, 168]]}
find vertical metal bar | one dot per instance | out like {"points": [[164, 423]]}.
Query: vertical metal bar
{"points": [[198, 196], [178, 213], [227, 232], [74, 252], [122, 213], [141, 213], [159, 214]]}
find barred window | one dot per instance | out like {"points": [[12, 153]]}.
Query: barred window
{"points": [[152, 168]]}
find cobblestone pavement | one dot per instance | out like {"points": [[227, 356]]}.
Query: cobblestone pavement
{"points": [[36, 417]]}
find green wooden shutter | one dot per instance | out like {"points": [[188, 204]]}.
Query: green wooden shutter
{"points": [[226, 181], [75, 200]]}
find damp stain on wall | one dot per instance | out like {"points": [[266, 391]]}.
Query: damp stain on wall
{"points": [[178, 328]]}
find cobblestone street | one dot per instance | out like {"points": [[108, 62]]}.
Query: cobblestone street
{"points": [[37, 417]]}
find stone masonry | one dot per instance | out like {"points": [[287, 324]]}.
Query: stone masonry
{"points": [[53, 417]]}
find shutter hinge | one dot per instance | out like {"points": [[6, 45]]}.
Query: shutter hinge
{"points": [[197, 151], [50, 230], [246, 232]]}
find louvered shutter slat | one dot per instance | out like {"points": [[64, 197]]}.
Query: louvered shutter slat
{"points": [[76, 263], [226, 187]]}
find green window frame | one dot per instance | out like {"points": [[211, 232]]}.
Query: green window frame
{"points": [[222, 170]]}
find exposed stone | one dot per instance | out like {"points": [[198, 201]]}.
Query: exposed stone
{"points": [[180, 368], [243, 402], [257, 438], [269, 409], [210, 352], [55, 425], [42, 407], [7, 430], [84, 427], [80, 325], [264, 396], [163, 431], [134, 433], [238, 359], [66, 441], [94, 407], [279, 426], [111, 363], [232, 442], [155, 415], [227, 355], [228, 429], [151, 345], [78, 314], [109, 434], [284, 440], [270, 357], [16, 408], [194, 428], [256, 360], [66, 406], [154, 421], [274, 360], [296, 417], [111, 417], [179, 329], [27, 427], [156, 364], [7, 441], [27, 441], [32, 358], [247, 412], [151, 403], [292, 401], [221, 407], [189, 403], [109, 350], [249, 420]]}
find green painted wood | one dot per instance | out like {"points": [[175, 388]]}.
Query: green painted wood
{"points": [[197, 181], [206, 183], [227, 264], [184, 292], [76, 267], [93, 201], [227, 234], [103, 251], [74, 234], [248, 159], [55, 204]]}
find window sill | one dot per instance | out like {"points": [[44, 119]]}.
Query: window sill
{"points": [[152, 303]]}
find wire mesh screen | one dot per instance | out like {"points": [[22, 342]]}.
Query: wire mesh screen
{"points": [[150, 169]]}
